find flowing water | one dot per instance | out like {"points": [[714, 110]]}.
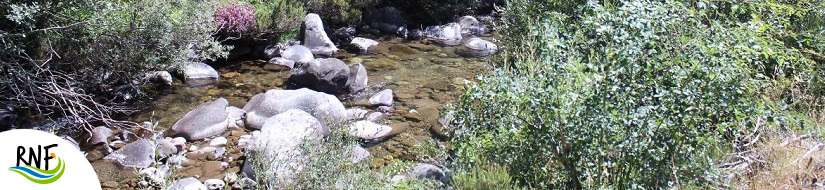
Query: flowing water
{"points": [[424, 77]]}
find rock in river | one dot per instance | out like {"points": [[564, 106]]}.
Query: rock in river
{"points": [[358, 78], [471, 25], [138, 154], [449, 34], [328, 75], [315, 38], [298, 54], [199, 74], [477, 47], [383, 98], [281, 138], [363, 44], [205, 120], [326, 108]]}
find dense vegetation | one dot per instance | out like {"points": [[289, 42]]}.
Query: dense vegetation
{"points": [[586, 94], [632, 94]]}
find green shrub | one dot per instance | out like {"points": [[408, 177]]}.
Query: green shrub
{"points": [[633, 94], [278, 16], [327, 165], [491, 177], [84, 50]]}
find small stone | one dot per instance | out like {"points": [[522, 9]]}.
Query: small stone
{"points": [[110, 184], [218, 142], [363, 44], [188, 184], [383, 98], [193, 148], [214, 184]]}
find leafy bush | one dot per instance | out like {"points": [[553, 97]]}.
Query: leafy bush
{"points": [[632, 94], [235, 18], [327, 165], [278, 16], [491, 177], [85, 51]]}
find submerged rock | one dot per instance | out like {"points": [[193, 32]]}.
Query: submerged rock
{"points": [[298, 54], [279, 64], [139, 154], [449, 34], [199, 74], [315, 38], [205, 120], [358, 79], [328, 75], [477, 47], [326, 108]]}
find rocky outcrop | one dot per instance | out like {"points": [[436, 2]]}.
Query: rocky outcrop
{"points": [[449, 34], [326, 108], [205, 120], [315, 38], [387, 20], [199, 74], [363, 44], [298, 54], [328, 75], [477, 47], [138, 154], [358, 79]]}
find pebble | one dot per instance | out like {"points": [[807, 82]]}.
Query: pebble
{"points": [[110, 184], [193, 148]]}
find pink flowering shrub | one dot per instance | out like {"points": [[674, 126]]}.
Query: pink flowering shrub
{"points": [[234, 18]]}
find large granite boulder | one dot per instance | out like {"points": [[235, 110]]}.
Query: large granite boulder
{"points": [[280, 141], [328, 75], [315, 38], [326, 108], [205, 120]]}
